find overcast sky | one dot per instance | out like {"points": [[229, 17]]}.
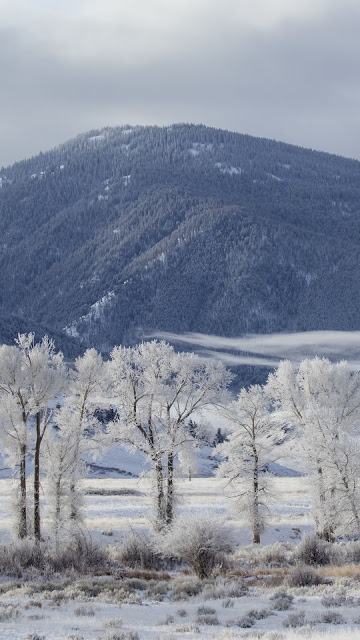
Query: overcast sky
{"points": [[283, 69]]}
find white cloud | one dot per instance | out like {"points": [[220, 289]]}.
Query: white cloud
{"points": [[292, 346], [232, 360]]}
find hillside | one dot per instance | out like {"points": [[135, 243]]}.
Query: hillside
{"points": [[125, 231]]}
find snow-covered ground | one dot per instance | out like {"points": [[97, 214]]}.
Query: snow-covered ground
{"points": [[291, 511], [72, 608]]}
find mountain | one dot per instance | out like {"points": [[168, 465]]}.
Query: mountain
{"points": [[130, 230]]}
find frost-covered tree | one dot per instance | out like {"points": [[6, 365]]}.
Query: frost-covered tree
{"points": [[157, 391], [61, 463], [323, 399], [31, 376], [65, 447], [46, 377], [14, 432], [247, 451]]}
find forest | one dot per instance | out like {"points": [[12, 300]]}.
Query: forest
{"points": [[123, 232]]}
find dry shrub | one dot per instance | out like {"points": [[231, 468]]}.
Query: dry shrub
{"points": [[203, 611], [281, 601], [33, 604], [245, 622], [137, 551], [114, 622], [183, 587], [277, 555], [21, 558], [332, 617], [84, 611], [157, 590], [303, 576], [228, 603], [225, 588], [9, 612], [313, 551], [211, 620], [339, 600], [353, 552], [199, 539], [295, 620], [82, 556], [259, 614]]}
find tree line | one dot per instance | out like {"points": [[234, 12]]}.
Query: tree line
{"points": [[49, 415]]}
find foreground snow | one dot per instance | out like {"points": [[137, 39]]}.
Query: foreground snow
{"points": [[110, 607], [165, 621]]}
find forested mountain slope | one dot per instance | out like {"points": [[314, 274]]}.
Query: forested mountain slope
{"points": [[126, 231]]}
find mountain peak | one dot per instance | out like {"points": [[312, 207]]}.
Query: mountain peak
{"points": [[124, 231]]}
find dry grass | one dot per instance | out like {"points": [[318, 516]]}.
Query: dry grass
{"points": [[265, 576], [343, 571], [144, 574]]}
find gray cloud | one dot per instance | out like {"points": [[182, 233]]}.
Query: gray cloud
{"points": [[281, 70]]}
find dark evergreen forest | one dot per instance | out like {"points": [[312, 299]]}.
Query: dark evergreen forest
{"points": [[126, 231]]}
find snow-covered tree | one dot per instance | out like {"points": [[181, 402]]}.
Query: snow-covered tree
{"points": [[247, 451], [31, 376], [157, 391], [60, 464], [14, 432], [46, 377], [323, 399], [65, 447]]}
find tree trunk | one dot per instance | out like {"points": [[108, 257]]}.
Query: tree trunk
{"points": [[256, 515], [324, 530], [170, 490], [57, 512], [73, 510], [22, 503], [353, 507], [160, 494], [37, 529]]}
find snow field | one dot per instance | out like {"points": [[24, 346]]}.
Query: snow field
{"points": [[114, 607]]}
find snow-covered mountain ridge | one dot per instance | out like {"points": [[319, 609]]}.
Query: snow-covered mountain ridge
{"points": [[123, 232]]}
